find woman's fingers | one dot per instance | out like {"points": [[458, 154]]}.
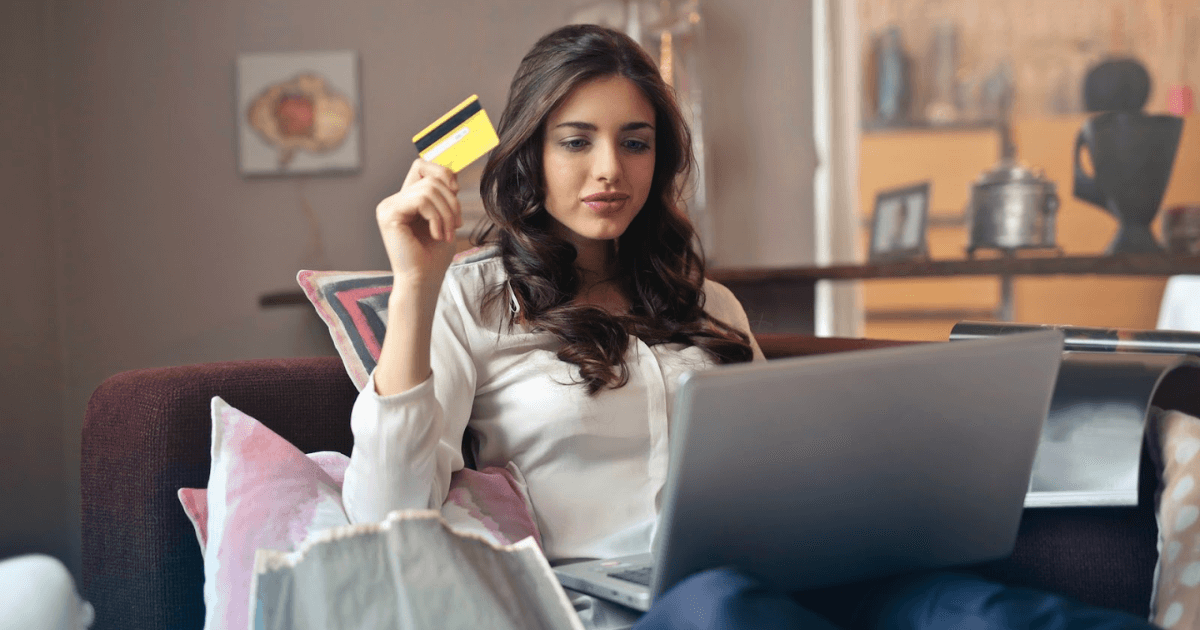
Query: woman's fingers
{"points": [[441, 206], [431, 200], [424, 169], [434, 188], [434, 219], [452, 206]]}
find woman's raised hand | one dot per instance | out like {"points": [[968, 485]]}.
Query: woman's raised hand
{"points": [[418, 223]]}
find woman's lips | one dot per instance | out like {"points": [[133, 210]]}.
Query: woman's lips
{"points": [[606, 203], [606, 207]]}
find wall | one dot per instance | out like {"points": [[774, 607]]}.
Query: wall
{"points": [[33, 500], [759, 119], [158, 249]]}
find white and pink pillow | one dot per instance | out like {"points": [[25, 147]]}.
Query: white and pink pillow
{"points": [[263, 493]]}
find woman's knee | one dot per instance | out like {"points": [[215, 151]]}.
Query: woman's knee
{"points": [[959, 601], [719, 599]]}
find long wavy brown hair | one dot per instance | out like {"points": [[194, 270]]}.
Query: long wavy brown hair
{"points": [[659, 267]]}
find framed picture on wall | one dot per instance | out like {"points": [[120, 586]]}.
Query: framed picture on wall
{"points": [[298, 113], [898, 225]]}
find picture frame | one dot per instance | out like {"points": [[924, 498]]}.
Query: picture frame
{"points": [[298, 113], [898, 224]]}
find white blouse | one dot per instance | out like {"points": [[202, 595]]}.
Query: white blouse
{"points": [[593, 466]]}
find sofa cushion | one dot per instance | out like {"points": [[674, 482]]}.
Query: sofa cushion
{"points": [[262, 493], [265, 494], [353, 304]]}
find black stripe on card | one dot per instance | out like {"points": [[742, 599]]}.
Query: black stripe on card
{"points": [[441, 130]]}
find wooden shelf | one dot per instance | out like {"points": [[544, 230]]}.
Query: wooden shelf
{"points": [[782, 300], [1115, 265]]}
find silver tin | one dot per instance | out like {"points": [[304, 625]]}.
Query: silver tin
{"points": [[1012, 208]]}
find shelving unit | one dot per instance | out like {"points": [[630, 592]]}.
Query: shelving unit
{"points": [[782, 300]]}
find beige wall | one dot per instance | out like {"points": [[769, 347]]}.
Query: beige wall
{"points": [[146, 248], [33, 501], [759, 115]]}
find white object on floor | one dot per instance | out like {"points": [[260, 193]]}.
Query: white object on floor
{"points": [[38, 593], [1180, 308]]}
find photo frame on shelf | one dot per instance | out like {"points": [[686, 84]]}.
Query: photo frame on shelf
{"points": [[898, 224]]}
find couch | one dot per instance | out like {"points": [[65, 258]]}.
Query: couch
{"points": [[147, 433]]}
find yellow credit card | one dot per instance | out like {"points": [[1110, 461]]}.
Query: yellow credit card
{"points": [[458, 138]]}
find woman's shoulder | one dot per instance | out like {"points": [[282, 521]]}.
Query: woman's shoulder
{"points": [[475, 255], [477, 265], [718, 297], [472, 277], [721, 303]]}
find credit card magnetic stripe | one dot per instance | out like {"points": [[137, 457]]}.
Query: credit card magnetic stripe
{"points": [[439, 129], [459, 137]]}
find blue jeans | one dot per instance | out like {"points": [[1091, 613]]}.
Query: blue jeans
{"points": [[722, 599]]}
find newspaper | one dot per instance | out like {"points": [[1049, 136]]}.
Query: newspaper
{"points": [[410, 571], [1091, 444]]}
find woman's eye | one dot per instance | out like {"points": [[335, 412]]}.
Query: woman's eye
{"points": [[637, 146], [574, 144]]}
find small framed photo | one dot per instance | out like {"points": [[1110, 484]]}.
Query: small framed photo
{"points": [[898, 225], [298, 113]]}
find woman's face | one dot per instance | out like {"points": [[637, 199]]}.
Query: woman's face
{"points": [[598, 159]]}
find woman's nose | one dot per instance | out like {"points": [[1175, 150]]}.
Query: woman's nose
{"points": [[607, 164]]}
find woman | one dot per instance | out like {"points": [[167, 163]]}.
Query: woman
{"points": [[559, 346]]}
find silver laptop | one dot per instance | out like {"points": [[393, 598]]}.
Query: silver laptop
{"points": [[815, 471]]}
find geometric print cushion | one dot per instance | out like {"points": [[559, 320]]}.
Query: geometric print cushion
{"points": [[354, 305], [1176, 600]]}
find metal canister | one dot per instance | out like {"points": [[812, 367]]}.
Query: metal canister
{"points": [[1012, 208]]}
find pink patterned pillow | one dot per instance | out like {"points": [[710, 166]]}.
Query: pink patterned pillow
{"points": [[195, 500], [353, 304], [263, 493], [491, 503]]}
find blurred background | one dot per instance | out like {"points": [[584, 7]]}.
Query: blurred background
{"points": [[133, 239]]}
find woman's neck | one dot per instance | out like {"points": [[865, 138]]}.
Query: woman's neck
{"points": [[596, 262]]}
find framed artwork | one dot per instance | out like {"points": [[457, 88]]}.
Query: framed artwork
{"points": [[298, 113], [898, 226]]}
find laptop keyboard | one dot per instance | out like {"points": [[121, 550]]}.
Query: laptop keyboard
{"points": [[637, 576]]}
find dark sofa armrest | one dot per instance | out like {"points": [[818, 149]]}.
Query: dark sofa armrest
{"points": [[148, 433]]}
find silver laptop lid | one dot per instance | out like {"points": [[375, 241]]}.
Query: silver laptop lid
{"points": [[819, 470]]}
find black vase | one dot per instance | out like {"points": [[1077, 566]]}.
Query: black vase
{"points": [[1132, 154]]}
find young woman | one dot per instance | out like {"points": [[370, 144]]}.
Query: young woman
{"points": [[557, 349], [560, 345]]}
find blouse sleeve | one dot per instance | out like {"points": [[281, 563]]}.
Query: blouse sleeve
{"points": [[406, 445], [719, 302]]}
